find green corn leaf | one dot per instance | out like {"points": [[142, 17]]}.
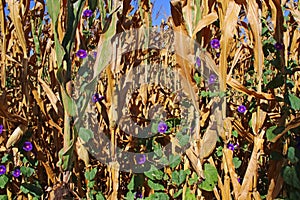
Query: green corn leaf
{"points": [[69, 104], [65, 156], [74, 15], [54, 9], [85, 134]]}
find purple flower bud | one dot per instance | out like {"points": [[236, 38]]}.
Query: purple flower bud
{"points": [[140, 158], [81, 53], [138, 194], [198, 62], [242, 109], [1, 128], [162, 127], [278, 46], [27, 146], [215, 43], [87, 13], [218, 54], [2, 170], [97, 97], [212, 79], [239, 180], [16, 173]]}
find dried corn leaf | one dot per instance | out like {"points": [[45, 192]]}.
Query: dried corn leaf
{"points": [[293, 124], [209, 140], [258, 123], [228, 29], [255, 23], [177, 17], [228, 154], [251, 170], [196, 164], [51, 175], [14, 7], [3, 45], [238, 86], [205, 21], [52, 97], [82, 152], [242, 132]]}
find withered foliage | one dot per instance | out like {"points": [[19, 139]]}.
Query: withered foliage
{"points": [[38, 66]]}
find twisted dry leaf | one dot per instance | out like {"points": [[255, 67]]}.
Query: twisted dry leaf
{"points": [[209, 140], [82, 152], [205, 21], [238, 86], [16, 136]]}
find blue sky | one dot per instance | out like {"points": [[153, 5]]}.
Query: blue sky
{"points": [[161, 10]]}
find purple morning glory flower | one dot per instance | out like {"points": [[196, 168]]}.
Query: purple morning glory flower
{"points": [[1, 128], [215, 43], [140, 158], [230, 146], [162, 127], [87, 13], [16, 173], [138, 194], [242, 109], [212, 79], [278, 46], [97, 97], [81, 53], [2, 170], [27, 146], [198, 61]]}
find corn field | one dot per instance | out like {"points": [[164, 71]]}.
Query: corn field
{"points": [[97, 101]]}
